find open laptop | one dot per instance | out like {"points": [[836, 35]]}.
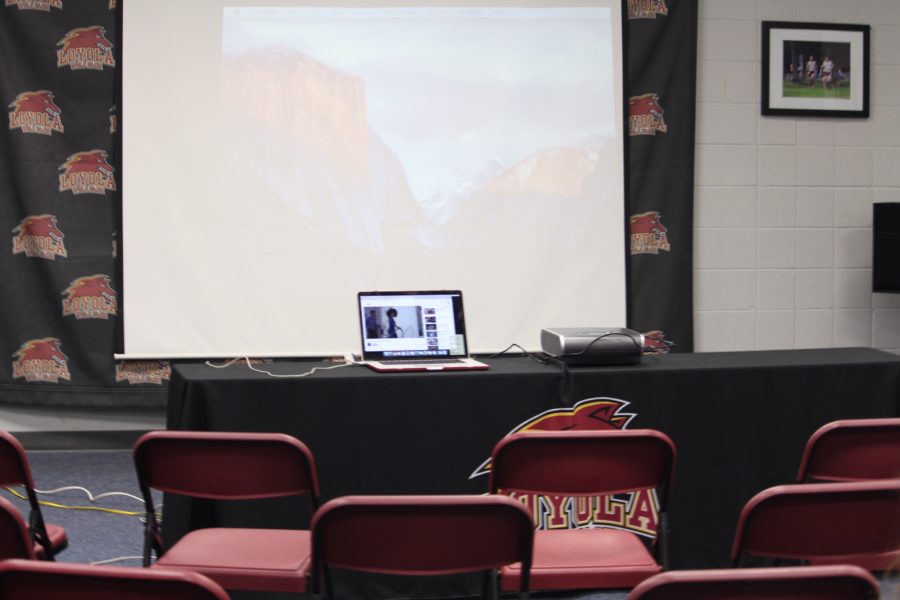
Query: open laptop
{"points": [[414, 331]]}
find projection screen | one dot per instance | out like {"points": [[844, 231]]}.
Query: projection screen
{"points": [[279, 158]]}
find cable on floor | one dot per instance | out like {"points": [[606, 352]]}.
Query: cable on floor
{"points": [[114, 511], [108, 561]]}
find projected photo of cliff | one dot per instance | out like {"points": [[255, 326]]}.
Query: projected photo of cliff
{"points": [[424, 130]]}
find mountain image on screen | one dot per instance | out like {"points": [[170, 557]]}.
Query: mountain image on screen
{"points": [[321, 159], [324, 160]]}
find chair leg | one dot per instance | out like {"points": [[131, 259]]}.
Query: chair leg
{"points": [[488, 586], [328, 582], [38, 533], [148, 544], [662, 537]]}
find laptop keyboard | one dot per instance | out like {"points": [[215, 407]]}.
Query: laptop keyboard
{"points": [[424, 361]]}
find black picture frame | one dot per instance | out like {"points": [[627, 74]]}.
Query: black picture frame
{"points": [[815, 69]]}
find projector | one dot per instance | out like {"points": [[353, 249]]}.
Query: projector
{"points": [[593, 345]]}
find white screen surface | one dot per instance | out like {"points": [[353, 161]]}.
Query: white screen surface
{"points": [[277, 160]]}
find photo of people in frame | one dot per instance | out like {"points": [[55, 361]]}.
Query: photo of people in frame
{"points": [[816, 69]]}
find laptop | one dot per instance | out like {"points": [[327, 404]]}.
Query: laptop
{"points": [[414, 331]]}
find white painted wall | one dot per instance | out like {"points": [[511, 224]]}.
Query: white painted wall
{"points": [[783, 205]]}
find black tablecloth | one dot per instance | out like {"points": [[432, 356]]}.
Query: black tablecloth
{"points": [[739, 421]]}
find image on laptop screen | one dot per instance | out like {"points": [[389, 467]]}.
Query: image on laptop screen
{"points": [[412, 325]]}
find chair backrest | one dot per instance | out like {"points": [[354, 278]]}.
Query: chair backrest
{"points": [[584, 463], [14, 468], [838, 582], [29, 580], [820, 521], [225, 465], [15, 542], [852, 450], [422, 535]]}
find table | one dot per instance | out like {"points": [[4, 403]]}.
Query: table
{"points": [[739, 421]]}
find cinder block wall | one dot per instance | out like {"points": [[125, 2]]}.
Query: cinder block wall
{"points": [[783, 205]]}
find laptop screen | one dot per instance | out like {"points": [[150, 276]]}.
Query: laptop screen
{"points": [[410, 325]]}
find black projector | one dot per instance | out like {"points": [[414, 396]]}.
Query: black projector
{"points": [[593, 345]]}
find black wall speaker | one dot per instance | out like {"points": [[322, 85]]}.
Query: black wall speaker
{"points": [[886, 247]]}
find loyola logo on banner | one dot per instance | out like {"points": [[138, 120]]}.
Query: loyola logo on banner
{"points": [[38, 236], [44, 5], [90, 297], [41, 360], [645, 115], [87, 172], [85, 48], [648, 234], [35, 112], [646, 9], [655, 342], [143, 371]]}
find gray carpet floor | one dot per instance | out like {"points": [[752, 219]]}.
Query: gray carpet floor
{"points": [[109, 528]]}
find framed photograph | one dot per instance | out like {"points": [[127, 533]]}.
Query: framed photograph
{"points": [[815, 69]]}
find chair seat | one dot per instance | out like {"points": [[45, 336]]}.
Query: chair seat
{"points": [[870, 562], [585, 559], [58, 540], [274, 560]]}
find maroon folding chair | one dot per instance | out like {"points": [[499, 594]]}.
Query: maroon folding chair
{"points": [[855, 450], [837, 582], [226, 467], [422, 535], [587, 463], [15, 541], [835, 521], [38, 580], [852, 450], [48, 539]]}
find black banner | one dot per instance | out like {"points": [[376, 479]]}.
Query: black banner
{"points": [[59, 193], [661, 89]]}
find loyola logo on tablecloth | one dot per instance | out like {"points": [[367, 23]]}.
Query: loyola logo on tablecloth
{"points": [[637, 512]]}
